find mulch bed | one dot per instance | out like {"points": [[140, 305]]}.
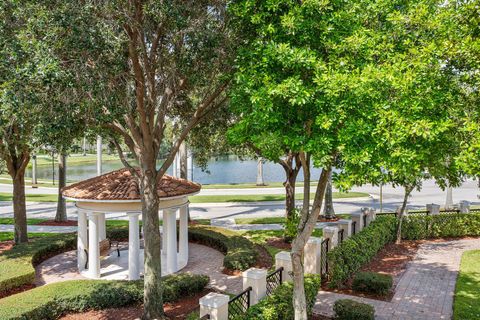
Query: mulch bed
{"points": [[175, 311], [322, 218], [68, 223], [392, 260], [279, 243], [6, 245]]}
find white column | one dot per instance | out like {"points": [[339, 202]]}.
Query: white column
{"points": [[99, 155], [164, 228], [257, 279], [102, 226], [449, 199], [332, 234], [82, 240], [183, 236], [215, 305], [170, 231], [34, 171], [93, 248], [283, 259], [346, 225], [133, 246], [313, 251], [260, 181]]}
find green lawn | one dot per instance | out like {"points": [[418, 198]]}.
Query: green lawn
{"points": [[270, 220], [266, 197], [4, 236], [261, 236], [74, 159], [5, 196], [467, 292]]}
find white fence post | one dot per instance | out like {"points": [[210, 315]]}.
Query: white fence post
{"points": [[433, 208], [257, 279], [332, 234], [357, 217], [464, 206], [346, 225], [283, 259], [215, 305], [311, 259]]}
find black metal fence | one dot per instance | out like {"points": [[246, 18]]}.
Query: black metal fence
{"points": [[364, 220], [354, 227], [323, 258], [238, 305], [340, 236], [274, 279], [205, 317]]}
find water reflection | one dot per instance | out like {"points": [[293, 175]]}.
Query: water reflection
{"points": [[225, 169]]}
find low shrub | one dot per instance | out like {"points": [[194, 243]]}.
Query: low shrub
{"points": [[372, 282], [439, 226], [17, 264], [279, 304], [240, 253], [347, 258], [51, 301], [346, 309]]}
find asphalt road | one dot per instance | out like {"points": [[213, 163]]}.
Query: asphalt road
{"points": [[392, 197]]}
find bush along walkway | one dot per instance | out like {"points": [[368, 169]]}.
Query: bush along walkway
{"points": [[426, 289]]}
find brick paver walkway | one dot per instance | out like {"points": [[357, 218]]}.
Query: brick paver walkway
{"points": [[201, 260], [425, 290]]}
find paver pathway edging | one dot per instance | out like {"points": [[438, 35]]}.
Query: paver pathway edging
{"points": [[425, 290]]}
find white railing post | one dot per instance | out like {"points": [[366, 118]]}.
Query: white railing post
{"points": [[283, 259], [215, 305], [311, 258], [346, 226], [357, 217], [433, 209], [464, 206], [257, 279], [332, 234]]}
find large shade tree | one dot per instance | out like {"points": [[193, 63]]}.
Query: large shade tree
{"points": [[32, 77], [347, 72], [149, 64]]}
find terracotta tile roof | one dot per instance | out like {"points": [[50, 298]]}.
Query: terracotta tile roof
{"points": [[121, 185]]}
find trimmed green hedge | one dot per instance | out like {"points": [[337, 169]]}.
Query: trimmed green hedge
{"points": [[240, 253], [51, 301], [372, 282], [279, 304], [17, 264], [443, 225], [347, 309], [354, 252]]}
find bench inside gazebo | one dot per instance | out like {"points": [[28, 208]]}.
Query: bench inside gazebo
{"points": [[117, 194]]}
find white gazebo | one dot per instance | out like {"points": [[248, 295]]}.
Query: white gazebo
{"points": [[117, 193]]}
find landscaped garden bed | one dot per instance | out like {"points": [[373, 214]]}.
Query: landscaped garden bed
{"points": [[54, 300]]}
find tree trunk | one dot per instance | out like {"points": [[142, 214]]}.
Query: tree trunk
{"points": [[61, 214], [19, 207], [289, 185], [153, 290], [408, 190], [328, 211], [305, 229]]}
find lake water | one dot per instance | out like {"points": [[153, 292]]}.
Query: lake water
{"points": [[227, 169]]}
